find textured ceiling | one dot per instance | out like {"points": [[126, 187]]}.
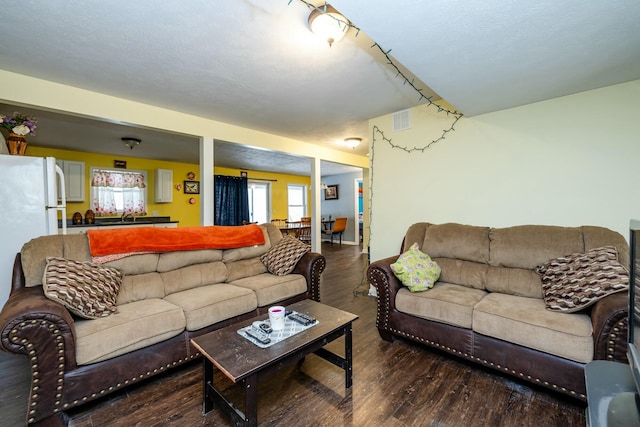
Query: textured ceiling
{"points": [[255, 64]]}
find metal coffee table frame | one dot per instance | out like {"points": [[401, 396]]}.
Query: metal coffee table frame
{"points": [[245, 363]]}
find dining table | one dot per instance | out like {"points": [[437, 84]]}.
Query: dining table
{"points": [[294, 228]]}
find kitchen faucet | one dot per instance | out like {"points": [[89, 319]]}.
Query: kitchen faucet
{"points": [[126, 216]]}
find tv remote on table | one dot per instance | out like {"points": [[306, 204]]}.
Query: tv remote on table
{"points": [[303, 319], [263, 326], [259, 335]]}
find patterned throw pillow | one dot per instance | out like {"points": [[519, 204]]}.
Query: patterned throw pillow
{"points": [[86, 289], [416, 270], [574, 282], [282, 258]]}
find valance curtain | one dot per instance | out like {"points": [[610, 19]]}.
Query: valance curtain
{"points": [[117, 192], [231, 200]]}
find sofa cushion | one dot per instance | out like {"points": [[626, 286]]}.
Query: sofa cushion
{"points": [[236, 254], [137, 287], [524, 321], [514, 281], [135, 325], [466, 273], [85, 289], [458, 241], [34, 254], [574, 282], [282, 258], [206, 305], [135, 264], [445, 302], [270, 289], [526, 246], [193, 276], [416, 270], [172, 260], [244, 268]]}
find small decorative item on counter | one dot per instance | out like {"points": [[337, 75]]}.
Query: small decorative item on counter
{"points": [[178, 187], [192, 201], [76, 219], [89, 217], [191, 176]]}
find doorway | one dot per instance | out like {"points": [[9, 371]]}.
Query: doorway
{"points": [[259, 201]]}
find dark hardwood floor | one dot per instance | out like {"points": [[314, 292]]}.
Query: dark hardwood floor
{"points": [[394, 384]]}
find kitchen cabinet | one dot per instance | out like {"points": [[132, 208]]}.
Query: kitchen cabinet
{"points": [[73, 179], [166, 224], [164, 185]]}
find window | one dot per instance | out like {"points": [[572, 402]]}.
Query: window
{"points": [[297, 200], [117, 192], [259, 201]]}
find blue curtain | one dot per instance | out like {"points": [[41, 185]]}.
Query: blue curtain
{"points": [[231, 200]]}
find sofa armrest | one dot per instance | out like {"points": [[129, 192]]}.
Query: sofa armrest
{"points": [[610, 321], [43, 330], [380, 275], [311, 266]]}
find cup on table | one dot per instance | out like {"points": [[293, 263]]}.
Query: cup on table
{"points": [[276, 317]]}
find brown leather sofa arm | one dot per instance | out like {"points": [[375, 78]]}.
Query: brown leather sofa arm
{"points": [[43, 330], [30, 322], [380, 275], [311, 266], [609, 318]]}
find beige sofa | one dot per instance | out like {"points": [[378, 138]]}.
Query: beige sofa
{"points": [[488, 305], [165, 299]]}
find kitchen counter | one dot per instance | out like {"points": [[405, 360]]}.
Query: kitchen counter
{"points": [[151, 221]]}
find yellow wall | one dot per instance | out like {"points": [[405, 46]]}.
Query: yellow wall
{"points": [[179, 210], [279, 204]]}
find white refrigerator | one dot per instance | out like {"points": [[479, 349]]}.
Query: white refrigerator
{"points": [[29, 207]]}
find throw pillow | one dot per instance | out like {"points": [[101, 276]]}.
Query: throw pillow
{"points": [[85, 289], [282, 258], [416, 270], [574, 282]]}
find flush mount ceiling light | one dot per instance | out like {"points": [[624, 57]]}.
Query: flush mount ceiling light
{"points": [[352, 142], [131, 142], [328, 23]]}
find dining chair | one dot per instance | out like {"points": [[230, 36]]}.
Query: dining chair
{"points": [[338, 228], [303, 232]]}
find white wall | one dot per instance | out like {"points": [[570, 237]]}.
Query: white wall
{"points": [[344, 206], [569, 161]]}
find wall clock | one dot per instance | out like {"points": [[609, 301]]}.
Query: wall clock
{"points": [[192, 187]]}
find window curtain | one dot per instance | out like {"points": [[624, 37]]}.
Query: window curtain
{"points": [[231, 200], [115, 192]]}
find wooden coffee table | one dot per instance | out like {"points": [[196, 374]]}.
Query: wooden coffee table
{"points": [[244, 362]]}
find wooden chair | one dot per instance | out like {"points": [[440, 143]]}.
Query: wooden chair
{"points": [[304, 233], [338, 228]]}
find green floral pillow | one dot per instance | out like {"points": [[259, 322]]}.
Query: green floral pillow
{"points": [[416, 270]]}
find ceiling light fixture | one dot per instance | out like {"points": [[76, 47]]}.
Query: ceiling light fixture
{"points": [[352, 142], [131, 142], [328, 23]]}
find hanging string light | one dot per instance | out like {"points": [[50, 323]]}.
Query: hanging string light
{"points": [[455, 115]]}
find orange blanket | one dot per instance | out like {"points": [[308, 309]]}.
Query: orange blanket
{"points": [[153, 239]]}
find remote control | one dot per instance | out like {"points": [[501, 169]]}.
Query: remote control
{"points": [[303, 319], [265, 327], [258, 335]]}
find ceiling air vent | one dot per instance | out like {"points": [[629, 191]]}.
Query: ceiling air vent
{"points": [[401, 120]]}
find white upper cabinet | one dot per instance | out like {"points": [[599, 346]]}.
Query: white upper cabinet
{"points": [[164, 185], [73, 179]]}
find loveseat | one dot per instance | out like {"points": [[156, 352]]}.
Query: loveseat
{"points": [[491, 305], [166, 297]]}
